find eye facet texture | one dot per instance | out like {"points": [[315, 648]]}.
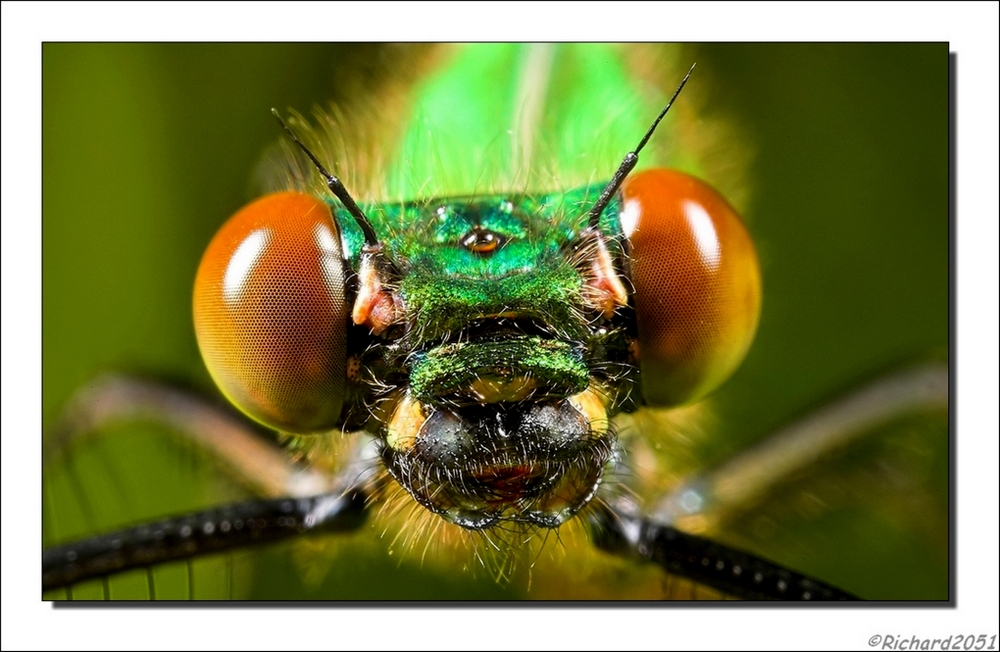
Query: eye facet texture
{"points": [[697, 284], [271, 315]]}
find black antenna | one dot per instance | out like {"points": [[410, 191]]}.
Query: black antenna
{"points": [[336, 187], [630, 161]]}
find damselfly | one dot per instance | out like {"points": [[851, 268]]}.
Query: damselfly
{"points": [[873, 314]]}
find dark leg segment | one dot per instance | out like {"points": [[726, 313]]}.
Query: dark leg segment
{"points": [[184, 537]]}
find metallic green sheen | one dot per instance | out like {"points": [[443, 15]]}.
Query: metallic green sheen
{"points": [[544, 295], [496, 137], [445, 285], [451, 369], [521, 116]]}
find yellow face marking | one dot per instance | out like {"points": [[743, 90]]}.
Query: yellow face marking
{"points": [[405, 425], [591, 404], [495, 390]]}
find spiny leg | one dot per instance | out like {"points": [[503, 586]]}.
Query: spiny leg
{"points": [[113, 411], [230, 440], [741, 484], [220, 529], [745, 480]]}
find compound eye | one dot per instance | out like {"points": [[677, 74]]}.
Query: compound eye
{"points": [[697, 284], [271, 316]]}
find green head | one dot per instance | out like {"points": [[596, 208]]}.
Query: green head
{"points": [[494, 328], [506, 371]]}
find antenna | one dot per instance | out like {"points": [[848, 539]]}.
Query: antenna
{"points": [[630, 161], [336, 187]]}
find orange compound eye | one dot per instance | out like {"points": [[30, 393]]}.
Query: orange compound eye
{"points": [[697, 284], [271, 316]]}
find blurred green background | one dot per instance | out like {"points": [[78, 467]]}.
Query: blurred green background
{"points": [[148, 148]]}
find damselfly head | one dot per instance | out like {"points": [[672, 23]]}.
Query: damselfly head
{"points": [[498, 335]]}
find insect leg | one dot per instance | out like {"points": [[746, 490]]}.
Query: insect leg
{"points": [[96, 413], [725, 569], [115, 398], [739, 486], [744, 481], [213, 530]]}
